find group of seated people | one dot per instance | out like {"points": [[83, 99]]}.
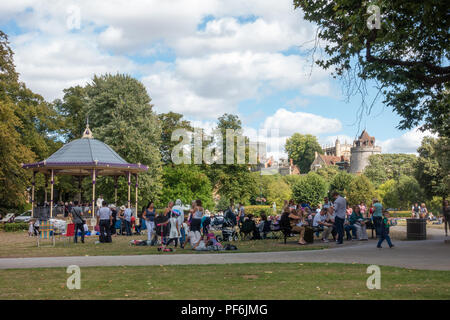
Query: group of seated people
{"points": [[299, 219]]}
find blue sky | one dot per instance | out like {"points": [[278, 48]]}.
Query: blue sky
{"points": [[199, 58]]}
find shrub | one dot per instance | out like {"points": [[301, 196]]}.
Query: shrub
{"points": [[15, 226], [310, 188], [257, 210]]}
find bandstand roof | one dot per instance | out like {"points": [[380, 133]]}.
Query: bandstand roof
{"points": [[81, 156]]}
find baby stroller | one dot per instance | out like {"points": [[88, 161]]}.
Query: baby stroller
{"points": [[229, 233]]}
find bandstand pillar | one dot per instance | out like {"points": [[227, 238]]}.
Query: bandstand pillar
{"points": [[33, 185], [93, 193], [52, 182]]}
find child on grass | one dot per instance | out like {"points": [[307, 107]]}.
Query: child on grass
{"points": [[384, 229]]}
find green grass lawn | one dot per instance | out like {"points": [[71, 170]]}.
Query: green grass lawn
{"points": [[233, 281], [18, 244]]}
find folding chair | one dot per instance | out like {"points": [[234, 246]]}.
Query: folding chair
{"points": [[69, 233], [46, 231]]}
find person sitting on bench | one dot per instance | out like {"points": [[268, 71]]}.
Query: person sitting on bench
{"points": [[298, 224], [320, 222]]}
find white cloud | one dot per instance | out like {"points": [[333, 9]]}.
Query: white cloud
{"points": [[302, 122], [406, 143]]}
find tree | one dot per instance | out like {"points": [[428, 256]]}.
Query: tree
{"points": [[408, 191], [27, 130], [273, 188], [383, 167], [407, 55], [121, 115], [301, 148], [169, 122], [341, 183], [388, 194], [433, 167], [232, 181], [361, 189], [328, 172], [185, 182], [311, 188]]}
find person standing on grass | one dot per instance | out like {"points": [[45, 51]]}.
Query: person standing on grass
{"points": [[127, 219], [149, 216], [178, 209], [104, 219], [384, 229], [76, 216], [340, 206]]}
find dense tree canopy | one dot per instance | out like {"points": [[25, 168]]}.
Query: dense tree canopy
{"points": [[433, 166], [311, 188], [360, 189], [169, 122], [341, 182], [383, 167], [407, 55], [121, 115], [301, 149], [27, 131], [185, 182]]}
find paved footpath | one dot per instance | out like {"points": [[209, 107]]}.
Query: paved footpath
{"points": [[428, 254]]}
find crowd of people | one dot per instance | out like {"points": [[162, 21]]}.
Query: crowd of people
{"points": [[171, 226]]}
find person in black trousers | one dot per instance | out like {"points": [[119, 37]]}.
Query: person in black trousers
{"points": [[76, 216], [104, 219]]}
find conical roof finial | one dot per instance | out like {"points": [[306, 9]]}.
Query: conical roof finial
{"points": [[87, 132]]}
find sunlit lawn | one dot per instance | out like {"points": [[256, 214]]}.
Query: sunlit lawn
{"points": [[237, 281]]}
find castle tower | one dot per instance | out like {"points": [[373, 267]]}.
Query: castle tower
{"points": [[337, 146], [362, 149]]}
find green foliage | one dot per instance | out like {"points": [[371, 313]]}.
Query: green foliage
{"points": [[328, 172], [383, 167], [301, 148], [433, 166], [415, 86], [408, 191], [361, 189], [120, 115], [341, 183], [169, 122], [435, 206], [27, 130], [231, 181], [311, 188], [15, 226], [185, 182], [388, 194], [257, 210], [292, 179], [274, 188]]}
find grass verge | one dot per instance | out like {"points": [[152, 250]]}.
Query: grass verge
{"points": [[233, 281]]}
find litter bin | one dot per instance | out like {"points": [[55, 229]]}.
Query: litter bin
{"points": [[416, 229]]}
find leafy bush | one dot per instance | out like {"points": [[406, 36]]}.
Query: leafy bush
{"points": [[310, 188], [16, 226], [257, 210]]}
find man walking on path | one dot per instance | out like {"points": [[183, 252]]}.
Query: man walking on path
{"points": [[340, 208]]}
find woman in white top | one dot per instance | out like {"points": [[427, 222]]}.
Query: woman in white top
{"points": [[197, 215], [174, 233]]}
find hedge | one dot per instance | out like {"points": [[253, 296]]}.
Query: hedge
{"points": [[15, 226], [256, 210]]}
